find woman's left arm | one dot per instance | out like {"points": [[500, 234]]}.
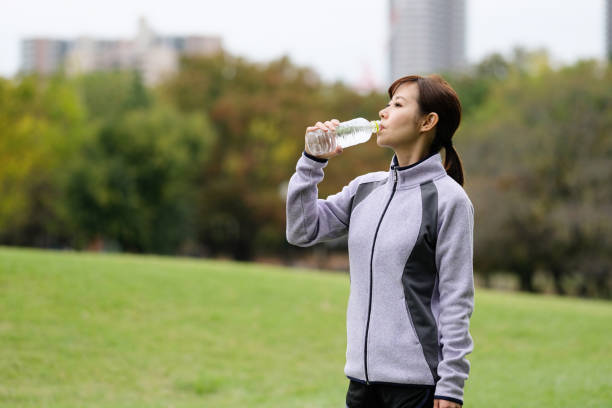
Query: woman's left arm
{"points": [[454, 254]]}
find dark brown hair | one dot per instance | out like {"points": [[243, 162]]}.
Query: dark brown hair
{"points": [[436, 95]]}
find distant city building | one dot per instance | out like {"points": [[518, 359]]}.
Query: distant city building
{"points": [[609, 30], [152, 55], [43, 55], [427, 36]]}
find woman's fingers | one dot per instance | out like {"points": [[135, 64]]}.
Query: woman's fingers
{"points": [[329, 125], [321, 125]]}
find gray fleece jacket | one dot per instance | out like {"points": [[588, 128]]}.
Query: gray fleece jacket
{"points": [[410, 244]]}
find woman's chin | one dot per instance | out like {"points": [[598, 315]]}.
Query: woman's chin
{"points": [[380, 141]]}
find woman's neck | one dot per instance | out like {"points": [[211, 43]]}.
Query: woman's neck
{"points": [[410, 155]]}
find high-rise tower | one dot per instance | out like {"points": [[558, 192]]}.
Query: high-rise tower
{"points": [[609, 30], [426, 36]]}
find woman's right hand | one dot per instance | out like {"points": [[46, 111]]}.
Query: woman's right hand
{"points": [[328, 126]]}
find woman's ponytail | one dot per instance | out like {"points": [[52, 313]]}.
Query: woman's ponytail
{"points": [[452, 164]]}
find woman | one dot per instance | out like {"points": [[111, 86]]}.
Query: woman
{"points": [[410, 237]]}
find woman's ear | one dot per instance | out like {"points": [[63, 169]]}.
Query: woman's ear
{"points": [[431, 120]]}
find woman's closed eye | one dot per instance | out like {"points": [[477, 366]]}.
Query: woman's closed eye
{"points": [[395, 104]]}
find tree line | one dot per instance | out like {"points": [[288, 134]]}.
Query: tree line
{"points": [[198, 165]]}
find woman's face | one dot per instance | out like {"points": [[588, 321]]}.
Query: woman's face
{"points": [[401, 119]]}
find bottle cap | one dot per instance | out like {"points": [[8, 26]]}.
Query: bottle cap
{"points": [[377, 125]]}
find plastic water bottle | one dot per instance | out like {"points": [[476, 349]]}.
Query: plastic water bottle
{"points": [[347, 134]]}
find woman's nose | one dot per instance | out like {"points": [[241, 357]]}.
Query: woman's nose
{"points": [[382, 113]]}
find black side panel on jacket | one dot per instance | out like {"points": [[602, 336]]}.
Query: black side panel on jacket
{"points": [[419, 277], [364, 190]]}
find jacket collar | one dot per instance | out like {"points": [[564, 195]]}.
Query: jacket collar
{"points": [[427, 169]]}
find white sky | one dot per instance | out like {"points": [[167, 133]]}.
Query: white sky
{"points": [[340, 39]]}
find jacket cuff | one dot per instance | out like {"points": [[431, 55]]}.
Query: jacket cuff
{"points": [[317, 159], [455, 400]]}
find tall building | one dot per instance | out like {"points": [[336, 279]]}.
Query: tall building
{"points": [[154, 56], [609, 30], [427, 36], [43, 55]]}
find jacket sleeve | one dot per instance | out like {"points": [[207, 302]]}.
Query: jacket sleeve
{"points": [[309, 219], [454, 253]]}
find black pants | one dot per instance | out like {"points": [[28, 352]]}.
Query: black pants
{"points": [[388, 396]]}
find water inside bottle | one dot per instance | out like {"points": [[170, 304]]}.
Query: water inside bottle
{"points": [[352, 135]]}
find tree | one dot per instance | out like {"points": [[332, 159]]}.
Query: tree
{"points": [[42, 126], [135, 182], [540, 151]]}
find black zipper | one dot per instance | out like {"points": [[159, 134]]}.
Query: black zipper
{"points": [[365, 346]]}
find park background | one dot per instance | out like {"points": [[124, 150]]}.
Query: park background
{"points": [[161, 274]]}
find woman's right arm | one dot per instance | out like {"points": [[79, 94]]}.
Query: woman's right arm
{"points": [[309, 219]]}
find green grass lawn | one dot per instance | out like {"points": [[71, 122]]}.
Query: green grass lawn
{"points": [[88, 330]]}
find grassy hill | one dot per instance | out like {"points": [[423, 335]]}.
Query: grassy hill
{"points": [[88, 330]]}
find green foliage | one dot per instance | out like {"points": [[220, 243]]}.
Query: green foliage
{"points": [[42, 124], [134, 182], [538, 156], [108, 95]]}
